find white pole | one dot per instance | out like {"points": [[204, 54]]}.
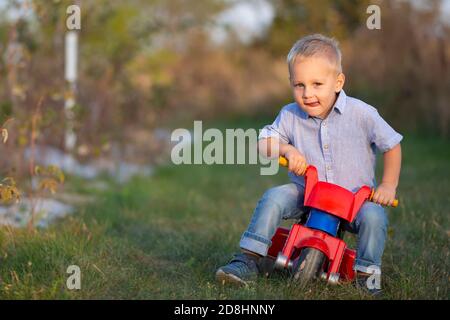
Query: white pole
{"points": [[71, 55]]}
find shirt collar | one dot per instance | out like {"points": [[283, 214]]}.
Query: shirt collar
{"points": [[340, 102]]}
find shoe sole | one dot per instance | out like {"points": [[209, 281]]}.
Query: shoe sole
{"points": [[363, 288], [227, 278]]}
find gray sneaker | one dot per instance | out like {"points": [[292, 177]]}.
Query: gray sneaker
{"points": [[241, 270]]}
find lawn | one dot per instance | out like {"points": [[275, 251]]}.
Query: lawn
{"points": [[164, 236]]}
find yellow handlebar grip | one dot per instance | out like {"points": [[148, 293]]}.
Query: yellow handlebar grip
{"points": [[283, 161], [394, 204]]}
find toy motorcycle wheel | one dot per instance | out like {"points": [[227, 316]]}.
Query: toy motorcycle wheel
{"points": [[309, 265]]}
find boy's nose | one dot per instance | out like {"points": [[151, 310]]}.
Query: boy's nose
{"points": [[306, 93]]}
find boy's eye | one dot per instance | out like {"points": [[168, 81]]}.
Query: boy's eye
{"points": [[317, 83], [299, 85]]}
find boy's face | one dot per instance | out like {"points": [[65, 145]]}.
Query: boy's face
{"points": [[315, 82]]}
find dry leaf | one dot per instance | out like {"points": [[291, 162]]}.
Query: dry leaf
{"points": [[4, 135]]}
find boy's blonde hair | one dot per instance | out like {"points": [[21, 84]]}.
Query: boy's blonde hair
{"points": [[316, 44]]}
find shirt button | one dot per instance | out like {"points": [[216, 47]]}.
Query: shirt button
{"points": [[325, 146], [328, 167], [324, 124]]}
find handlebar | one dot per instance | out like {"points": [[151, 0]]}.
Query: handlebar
{"points": [[394, 203], [285, 163]]}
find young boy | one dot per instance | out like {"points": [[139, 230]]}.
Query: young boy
{"points": [[337, 134]]}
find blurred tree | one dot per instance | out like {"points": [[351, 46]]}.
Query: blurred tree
{"points": [[143, 62], [405, 68], [297, 18]]}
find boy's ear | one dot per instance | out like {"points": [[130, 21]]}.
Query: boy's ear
{"points": [[339, 82]]}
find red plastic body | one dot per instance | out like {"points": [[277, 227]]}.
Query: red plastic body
{"points": [[335, 200]]}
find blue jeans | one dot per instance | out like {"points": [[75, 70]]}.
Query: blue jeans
{"points": [[286, 202]]}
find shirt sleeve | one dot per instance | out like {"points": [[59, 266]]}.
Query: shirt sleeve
{"points": [[381, 133], [278, 129]]}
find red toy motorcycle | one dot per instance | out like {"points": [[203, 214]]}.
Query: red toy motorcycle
{"points": [[314, 246]]}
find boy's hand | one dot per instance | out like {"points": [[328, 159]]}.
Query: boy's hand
{"points": [[384, 194], [297, 162]]}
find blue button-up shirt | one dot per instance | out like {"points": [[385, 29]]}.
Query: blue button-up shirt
{"points": [[342, 146]]}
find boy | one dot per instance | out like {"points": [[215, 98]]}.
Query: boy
{"points": [[337, 134]]}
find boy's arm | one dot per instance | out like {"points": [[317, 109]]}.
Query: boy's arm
{"points": [[385, 193], [273, 148]]}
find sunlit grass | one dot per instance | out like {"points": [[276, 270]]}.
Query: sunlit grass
{"points": [[163, 238]]}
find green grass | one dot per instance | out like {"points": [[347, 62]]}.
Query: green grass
{"points": [[163, 237]]}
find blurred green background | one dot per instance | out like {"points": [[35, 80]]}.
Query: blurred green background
{"points": [[145, 64]]}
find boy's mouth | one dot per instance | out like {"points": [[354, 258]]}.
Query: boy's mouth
{"points": [[312, 104]]}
